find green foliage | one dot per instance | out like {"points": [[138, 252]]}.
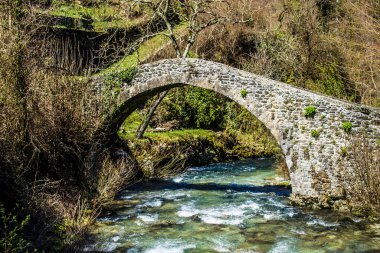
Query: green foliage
{"points": [[243, 93], [192, 54], [117, 78], [194, 107], [144, 51], [327, 11], [347, 126], [101, 16], [12, 225], [128, 130], [206, 106], [315, 133], [331, 81], [310, 111], [113, 82], [290, 79], [344, 151]]}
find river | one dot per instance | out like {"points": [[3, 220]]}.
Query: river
{"points": [[224, 207]]}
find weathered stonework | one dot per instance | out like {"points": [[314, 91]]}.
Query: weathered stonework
{"points": [[312, 162]]}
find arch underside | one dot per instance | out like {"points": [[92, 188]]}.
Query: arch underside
{"points": [[313, 162]]}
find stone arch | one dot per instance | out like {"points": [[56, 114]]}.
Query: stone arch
{"points": [[312, 161]]}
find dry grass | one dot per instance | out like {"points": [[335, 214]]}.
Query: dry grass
{"points": [[163, 160], [333, 49], [363, 182], [113, 177]]}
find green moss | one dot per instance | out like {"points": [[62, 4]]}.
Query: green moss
{"points": [[185, 134], [113, 84], [100, 13], [344, 151], [310, 111], [131, 124], [143, 52], [243, 93], [104, 16], [119, 23], [285, 184], [129, 127], [192, 54], [315, 133], [117, 78], [347, 126]]}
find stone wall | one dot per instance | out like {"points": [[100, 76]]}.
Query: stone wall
{"points": [[312, 160]]}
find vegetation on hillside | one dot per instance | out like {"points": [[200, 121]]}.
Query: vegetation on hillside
{"points": [[331, 47]]}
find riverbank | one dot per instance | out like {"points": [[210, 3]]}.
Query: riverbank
{"points": [[165, 152]]}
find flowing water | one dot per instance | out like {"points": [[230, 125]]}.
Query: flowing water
{"points": [[224, 207]]}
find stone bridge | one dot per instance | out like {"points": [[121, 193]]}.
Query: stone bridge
{"points": [[313, 147]]}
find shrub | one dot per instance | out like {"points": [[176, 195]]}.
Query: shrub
{"points": [[362, 184], [77, 215], [310, 111], [347, 126], [331, 81], [12, 225], [315, 133], [193, 107], [117, 78], [114, 176], [243, 93]]}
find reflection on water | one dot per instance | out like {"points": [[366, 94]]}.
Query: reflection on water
{"points": [[224, 208]]}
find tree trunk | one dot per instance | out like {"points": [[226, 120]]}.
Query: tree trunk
{"points": [[144, 125], [17, 19]]}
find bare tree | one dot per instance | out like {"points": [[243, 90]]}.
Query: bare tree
{"points": [[364, 178], [197, 15]]}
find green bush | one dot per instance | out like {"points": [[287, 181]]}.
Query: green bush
{"points": [[12, 225], [315, 133], [310, 111], [243, 93], [117, 78], [193, 107], [331, 81], [347, 126]]}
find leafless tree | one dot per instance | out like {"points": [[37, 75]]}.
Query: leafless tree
{"points": [[363, 181], [197, 15]]}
